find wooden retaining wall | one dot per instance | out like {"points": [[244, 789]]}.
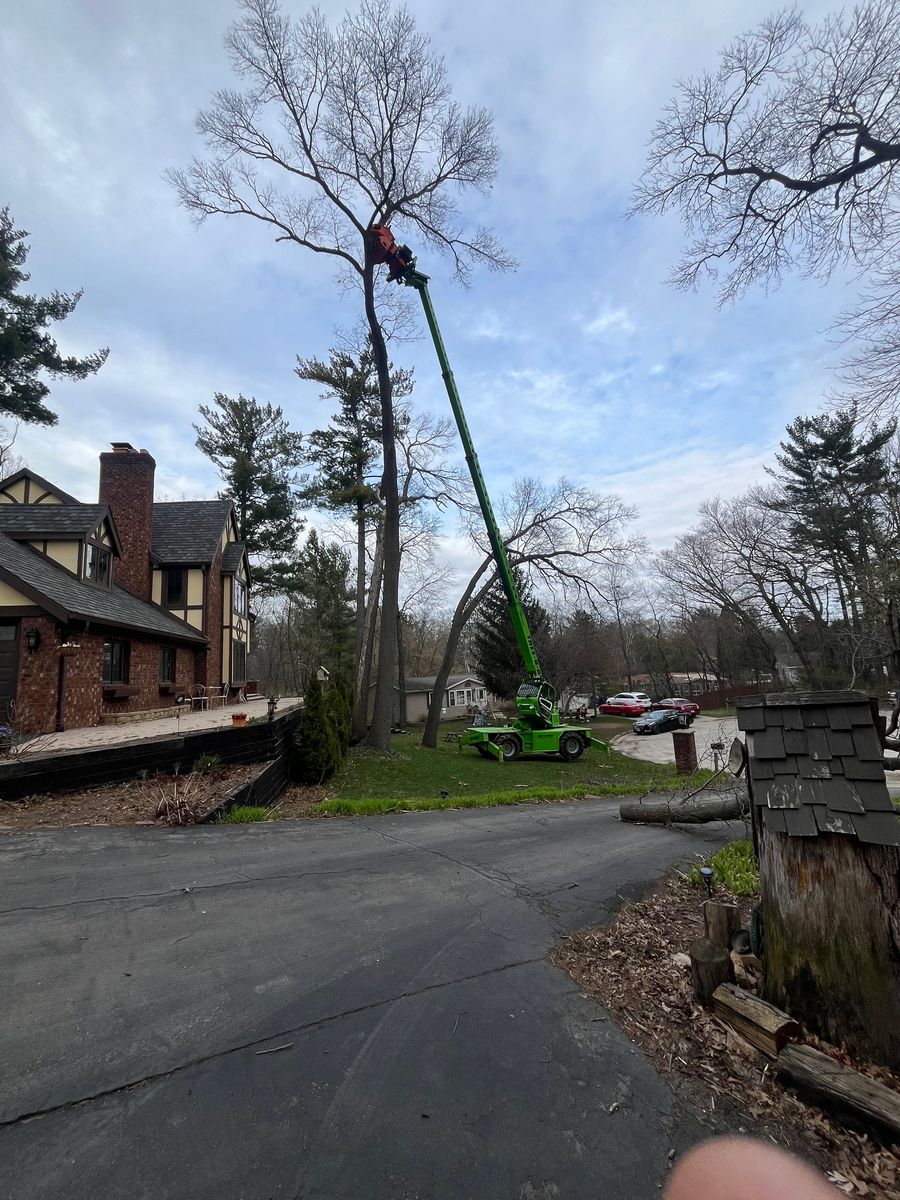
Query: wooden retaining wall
{"points": [[70, 770], [263, 790]]}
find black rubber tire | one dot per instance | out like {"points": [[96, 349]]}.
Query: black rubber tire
{"points": [[571, 747], [509, 744], [483, 750]]}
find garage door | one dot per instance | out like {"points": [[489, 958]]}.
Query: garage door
{"points": [[8, 658]]}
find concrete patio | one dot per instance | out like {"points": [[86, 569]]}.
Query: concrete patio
{"points": [[181, 721]]}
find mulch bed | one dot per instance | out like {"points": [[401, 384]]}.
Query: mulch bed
{"points": [[296, 801], [629, 966], [133, 802]]}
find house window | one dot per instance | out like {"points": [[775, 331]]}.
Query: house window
{"points": [[176, 587], [238, 662], [481, 693], [115, 662], [240, 597], [167, 664], [97, 564]]}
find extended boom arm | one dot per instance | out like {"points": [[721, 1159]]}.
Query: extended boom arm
{"points": [[403, 270]]}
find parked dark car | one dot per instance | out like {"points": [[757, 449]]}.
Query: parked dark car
{"points": [[678, 704], [661, 720]]}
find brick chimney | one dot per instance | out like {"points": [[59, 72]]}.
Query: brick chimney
{"points": [[126, 485]]}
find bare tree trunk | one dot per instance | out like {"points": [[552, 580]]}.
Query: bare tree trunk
{"points": [[380, 730], [364, 665], [468, 602], [401, 671], [360, 576]]}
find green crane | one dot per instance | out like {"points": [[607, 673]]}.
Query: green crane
{"points": [[537, 729]]}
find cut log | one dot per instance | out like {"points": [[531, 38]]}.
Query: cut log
{"points": [[685, 812], [720, 921], [763, 1025], [710, 966], [840, 1089]]}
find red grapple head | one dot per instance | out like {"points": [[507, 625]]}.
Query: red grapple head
{"points": [[386, 250]]}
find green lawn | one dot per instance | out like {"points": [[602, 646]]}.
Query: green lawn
{"points": [[412, 777], [719, 712]]}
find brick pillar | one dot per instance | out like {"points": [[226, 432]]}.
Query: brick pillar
{"points": [[126, 485], [685, 751]]}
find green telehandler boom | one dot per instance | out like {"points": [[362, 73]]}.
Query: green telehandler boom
{"points": [[537, 728]]}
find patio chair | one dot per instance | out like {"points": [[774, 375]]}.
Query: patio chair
{"points": [[199, 698], [217, 695]]}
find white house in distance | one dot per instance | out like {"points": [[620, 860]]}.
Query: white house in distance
{"points": [[462, 694]]}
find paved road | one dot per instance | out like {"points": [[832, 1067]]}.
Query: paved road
{"points": [[332, 1009], [658, 747]]}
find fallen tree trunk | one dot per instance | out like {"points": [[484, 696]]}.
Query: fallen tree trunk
{"points": [[841, 1089], [685, 812]]}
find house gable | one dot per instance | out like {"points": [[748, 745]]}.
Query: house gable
{"points": [[27, 487]]}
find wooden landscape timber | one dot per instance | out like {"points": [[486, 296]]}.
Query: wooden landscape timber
{"points": [[763, 1025], [840, 1089]]}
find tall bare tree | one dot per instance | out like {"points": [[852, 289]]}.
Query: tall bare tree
{"points": [[335, 131], [785, 157]]}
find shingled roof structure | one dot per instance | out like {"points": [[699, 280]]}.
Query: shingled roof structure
{"points": [[816, 765], [188, 531], [27, 521], [231, 557], [66, 597]]}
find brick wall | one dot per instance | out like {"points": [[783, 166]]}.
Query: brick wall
{"points": [[126, 485], [143, 673], [37, 688], [38, 678]]}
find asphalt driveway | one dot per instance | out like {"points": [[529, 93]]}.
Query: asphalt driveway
{"points": [[331, 1009]]}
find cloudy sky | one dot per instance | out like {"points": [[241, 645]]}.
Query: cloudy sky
{"points": [[584, 362]]}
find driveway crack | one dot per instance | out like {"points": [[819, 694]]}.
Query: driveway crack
{"points": [[295, 1030]]}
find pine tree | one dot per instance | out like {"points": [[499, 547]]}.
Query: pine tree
{"points": [[346, 454], [339, 707], [498, 659], [257, 455], [323, 604], [315, 751], [25, 349]]}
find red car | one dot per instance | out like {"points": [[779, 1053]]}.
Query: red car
{"points": [[621, 708], [678, 704]]}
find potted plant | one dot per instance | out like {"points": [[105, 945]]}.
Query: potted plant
{"points": [[239, 720]]}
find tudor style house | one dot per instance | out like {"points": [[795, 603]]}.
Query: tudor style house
{"points": [[124, 606]]}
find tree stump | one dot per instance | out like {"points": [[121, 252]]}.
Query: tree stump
{"points": [[710, 966], [720, 921], [831, 938], [685, 751]]}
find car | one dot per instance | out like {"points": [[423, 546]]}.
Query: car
{"points": [[636, 699], [661, 720], [617, 707], [679, 704]]}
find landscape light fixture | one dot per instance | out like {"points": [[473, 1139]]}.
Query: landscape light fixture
{"points": [[707, 873], [271, 704], [33, 639]]}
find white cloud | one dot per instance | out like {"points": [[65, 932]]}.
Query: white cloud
{"points": [[610, 320]]}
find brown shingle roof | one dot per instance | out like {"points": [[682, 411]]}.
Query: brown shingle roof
{"points": [[66, 597]]}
